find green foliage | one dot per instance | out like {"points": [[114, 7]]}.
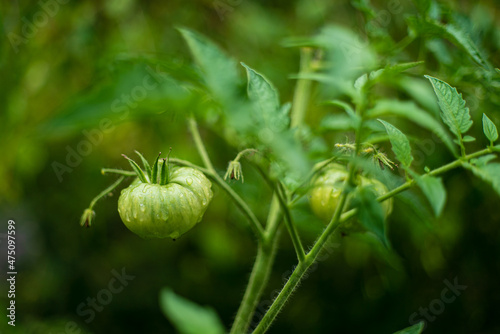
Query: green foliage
{"points": [[434, 190], [453, 110], [263, 93], [489, 172], [219, 70], [489, 129], [410, 111], [452, 33], [371, 213], [400, 144], [415, 329], [188, 317]]}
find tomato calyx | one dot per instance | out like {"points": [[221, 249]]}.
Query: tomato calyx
{"points": [[156, 175]]}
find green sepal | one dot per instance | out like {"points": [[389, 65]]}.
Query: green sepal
{"points": [[147, 167], [154, 171], [137, 169]]}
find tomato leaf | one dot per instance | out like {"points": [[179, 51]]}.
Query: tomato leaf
{"points": [[489, 129], [220, 71], [452, 33], [389, 71], [468, 139], [433, 189], [453, 110], [188, 317], [489, 173], [371, 213], [261, 90], [400, 144], [415, 329], [412, 112]]}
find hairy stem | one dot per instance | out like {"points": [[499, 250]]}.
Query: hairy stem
{"points": [[294, 235], [261, 270], [337, 220]]}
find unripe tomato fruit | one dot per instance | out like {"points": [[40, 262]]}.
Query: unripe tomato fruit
{"points": [[153, 210], [325, 195]]}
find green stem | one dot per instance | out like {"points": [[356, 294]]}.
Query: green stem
{"points": [[259, 277], [294, 235], [462, 147], [245, 151], [261, 270], [193, 127], [302, 89], [106, 191], [336, 221], [89, 214], [242, 205], [255, 225], [299, 271], [117, 171], [402, 44], [278, 303]]}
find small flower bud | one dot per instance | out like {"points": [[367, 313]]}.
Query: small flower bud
{"points": [[87, 217], [234, 171]]}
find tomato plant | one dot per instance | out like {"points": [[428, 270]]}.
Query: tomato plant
{"points": [[339, 159]]}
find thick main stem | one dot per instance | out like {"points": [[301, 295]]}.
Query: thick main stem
{"points": [[302, 89], [300, 270], [259, 276], [261, 270], [337, 220]]}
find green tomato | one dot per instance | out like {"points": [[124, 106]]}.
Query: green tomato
{"points": [[325, 195], [380, 189], [170, 210]]}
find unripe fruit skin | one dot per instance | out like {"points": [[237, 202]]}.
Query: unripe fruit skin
{"points": [[161, 211], [325, 194]]}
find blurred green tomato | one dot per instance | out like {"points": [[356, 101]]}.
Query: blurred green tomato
{"points": [[325, 195]]}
